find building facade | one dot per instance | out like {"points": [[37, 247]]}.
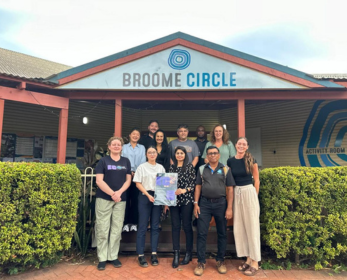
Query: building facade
{"points": [[290, 117]]}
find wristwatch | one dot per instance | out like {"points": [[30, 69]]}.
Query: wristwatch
{"points": [[195, 202]]}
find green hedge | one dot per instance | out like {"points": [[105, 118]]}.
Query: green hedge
{"points": [[38, 206], [304, 212]]}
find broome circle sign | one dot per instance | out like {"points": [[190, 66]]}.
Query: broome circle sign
{"points": [[180, 68]]}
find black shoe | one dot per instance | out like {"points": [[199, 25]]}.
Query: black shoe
{"points": [[116, 263], [187, 258], [176, 259], [142, 261], [101, 265], [154, 260]]}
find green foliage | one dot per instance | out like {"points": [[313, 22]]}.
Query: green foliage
{"points": [[338, 268], [38, 206], [269, 265], [288, 265], [304, 212], [82, 236], [85, 226]]}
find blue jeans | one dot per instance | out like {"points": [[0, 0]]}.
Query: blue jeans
{"points": [[147, 210], [207, 210]]}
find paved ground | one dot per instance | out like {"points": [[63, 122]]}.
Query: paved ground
{"points": [[131, 270]]}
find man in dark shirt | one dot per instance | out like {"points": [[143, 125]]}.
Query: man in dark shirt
{"points": [[213, 197], [201, 142], [147, 139]]}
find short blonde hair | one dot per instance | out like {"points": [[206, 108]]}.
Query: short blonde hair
{"points": [[120, 139]]}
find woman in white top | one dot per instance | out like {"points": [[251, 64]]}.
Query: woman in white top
{"points": [[145, 179]]}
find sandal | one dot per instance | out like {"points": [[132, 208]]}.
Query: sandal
{"points": [[251, 271], [243, 267]]}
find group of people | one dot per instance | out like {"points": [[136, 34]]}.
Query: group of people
{"points": [[215, 180]]}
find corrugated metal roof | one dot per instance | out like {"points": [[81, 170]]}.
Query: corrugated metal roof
{"points": [[14, 64], [330, 76]]}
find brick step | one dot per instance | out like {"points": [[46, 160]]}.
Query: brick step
{"points": [[129, 248], [128, 243]]}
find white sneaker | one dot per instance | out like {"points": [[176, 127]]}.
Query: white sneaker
{"points": [[133, 228], [126, 228]]}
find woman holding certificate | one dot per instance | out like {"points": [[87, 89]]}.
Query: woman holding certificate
{"points": [[184, 210], [145, 179]]}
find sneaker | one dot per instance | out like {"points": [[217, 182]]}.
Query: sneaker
{"points": [[116, 263], [126, 228], [142, 261], [133, 228], [101, 265], [154, 260], [199, 270], [221, 267]]}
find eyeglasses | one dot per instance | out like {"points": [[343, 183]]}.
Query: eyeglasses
{"points": [[212, 154], [152, 153]]}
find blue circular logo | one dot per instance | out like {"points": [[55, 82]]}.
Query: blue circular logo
{"points": [[322, 143], [179, 59]]}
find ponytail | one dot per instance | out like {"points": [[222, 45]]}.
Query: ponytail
{"points": [[249, 161]]}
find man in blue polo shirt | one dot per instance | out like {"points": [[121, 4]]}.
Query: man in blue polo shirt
{"points": [[213, 197]]}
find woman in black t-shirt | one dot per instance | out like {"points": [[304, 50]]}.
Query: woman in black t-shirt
{"points": [[182, 213], [162, 147], [246, 207], [113, 177]]}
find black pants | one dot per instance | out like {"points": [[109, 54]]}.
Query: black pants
{"points": [[147, 210], [182, 213], [131, 210], [207, 210]]}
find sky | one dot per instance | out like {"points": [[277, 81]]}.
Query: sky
{"points": [[306, 35]]}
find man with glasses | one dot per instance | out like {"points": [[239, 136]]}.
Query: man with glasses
{"points": [[213, 197], [182, 140]]}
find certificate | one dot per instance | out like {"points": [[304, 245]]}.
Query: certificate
{"points": [[166, 186]]}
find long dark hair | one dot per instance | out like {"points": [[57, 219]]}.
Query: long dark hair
{"points": [[248, 158], [164, 144], [186, 159]]}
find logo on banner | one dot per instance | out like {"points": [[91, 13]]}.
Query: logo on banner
{"points": [[179, 59], [166, 78], [322, 143]]}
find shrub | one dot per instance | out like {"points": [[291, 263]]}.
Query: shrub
{"points": [[38, 206], [304, 212]]}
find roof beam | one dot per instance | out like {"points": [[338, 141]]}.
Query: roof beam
{"points": [[25, 96], [14, 79], [22, 85], [209, 95]]}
